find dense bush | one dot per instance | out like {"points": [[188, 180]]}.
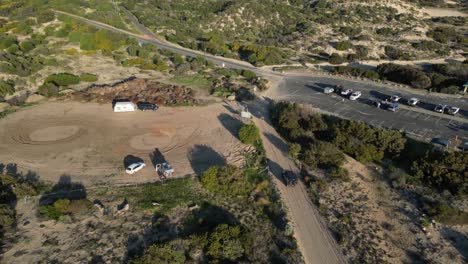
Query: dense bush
{"points": [[249, 134], [443, 34], [344, 45], [88, 77], [443, 171], [356, 72], [62, 79], [335, 58], [160, 254], [447, 214], [48, 89], [7, 40], [404, 74], [21, 65], [394, 53], [227, 180], [6, 87]]}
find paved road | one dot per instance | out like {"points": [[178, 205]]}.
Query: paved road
{"points": [[421, 121], [312, 234]]}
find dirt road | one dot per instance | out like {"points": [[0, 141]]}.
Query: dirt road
{"points": [[314, 238]]}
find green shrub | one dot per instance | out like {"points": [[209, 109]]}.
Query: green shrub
{"points": [[7, 40], [227, 180], [48, 89], [404, 74], [56, 210], [335, 58], [249, 134], [294, 150], [6, 87], [448, 215], [26, 46], [88, 77], [248, 74], [344, 45], [62, 79], [160, 254]]}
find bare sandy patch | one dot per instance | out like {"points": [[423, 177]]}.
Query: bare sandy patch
{"points": [[90, 143]]}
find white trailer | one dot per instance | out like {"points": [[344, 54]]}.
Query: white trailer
{"points": [[124, 107]]}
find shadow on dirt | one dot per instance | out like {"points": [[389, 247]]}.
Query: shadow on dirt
{"points": [[130, 159], [65, 188], [232, 124], [458, 240], [202, 157]]}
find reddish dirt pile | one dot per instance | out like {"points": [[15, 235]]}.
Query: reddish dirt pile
{"points": [[139, 90]]}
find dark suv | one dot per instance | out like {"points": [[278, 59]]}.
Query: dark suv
{"points": [[290, 179], [143, 106]]}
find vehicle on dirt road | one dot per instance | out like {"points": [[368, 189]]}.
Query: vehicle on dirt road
{"points": [[440, 108], [346, 92], [328, 90], [135, 167], [395, 97], [453, 110], [354, 96], [393, 107], [413, 101], [289, 178], [144, 106]]}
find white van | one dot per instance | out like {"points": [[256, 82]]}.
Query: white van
{"points": [[124, 107]]}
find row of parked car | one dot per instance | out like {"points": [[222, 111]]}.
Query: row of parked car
{"points": [[392, 103]]}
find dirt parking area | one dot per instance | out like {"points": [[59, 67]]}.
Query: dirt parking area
{"points": [[91, 143]]}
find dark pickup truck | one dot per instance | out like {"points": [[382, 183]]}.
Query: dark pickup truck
{"points": [[290, 179], [143, 106]]}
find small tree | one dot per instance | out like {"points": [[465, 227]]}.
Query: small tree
{"points": [[335, 58], [249, 134], [294, 150]]}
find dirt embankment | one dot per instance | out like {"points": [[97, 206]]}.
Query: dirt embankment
{"points": [[139, 90]]}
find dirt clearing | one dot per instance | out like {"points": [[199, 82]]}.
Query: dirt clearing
{"points": [[90, 143]]}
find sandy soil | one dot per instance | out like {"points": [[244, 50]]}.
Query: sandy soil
{"points": [[89, 142], [442, 12], [384, 221]]}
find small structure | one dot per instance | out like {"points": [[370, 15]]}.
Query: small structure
{"points": [[165, 169], [124, 107], [465, 88]]}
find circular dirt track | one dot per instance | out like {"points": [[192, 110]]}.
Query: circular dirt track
{"points": [[90, 143], [49, 135]]}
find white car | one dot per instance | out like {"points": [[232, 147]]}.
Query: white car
{"points": [[355, 95], [413, 101], [328, 90], [395, 97], [453, 110], [134, 167], [346, 92], [440, 108]]}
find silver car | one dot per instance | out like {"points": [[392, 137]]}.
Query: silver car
{"points": [[453, 110], [440, 108], [134, 167]]}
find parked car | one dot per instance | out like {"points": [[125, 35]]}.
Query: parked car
{"points": [[144, 106], [453, 110], [290, 179], [328, 90], [134, 167], [355, 95], [440, 108], [395, 97], [413, 101], [440, 141], [376, 103], [393, 107], [346, 92]]}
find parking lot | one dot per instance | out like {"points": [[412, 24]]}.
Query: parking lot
{"points": [[420, 121]]}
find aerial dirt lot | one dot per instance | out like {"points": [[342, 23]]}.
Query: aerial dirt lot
{"points": [[91, 143]]}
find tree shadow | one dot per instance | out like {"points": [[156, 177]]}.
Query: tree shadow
{"points": [[458, 240], [232, 124], [65, 188], [317, 87], [130, 159], [379, 95], [157, 157], [202, 157], [277, 142]]}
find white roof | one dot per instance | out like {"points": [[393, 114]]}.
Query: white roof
{"points": [[123, 103]]}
